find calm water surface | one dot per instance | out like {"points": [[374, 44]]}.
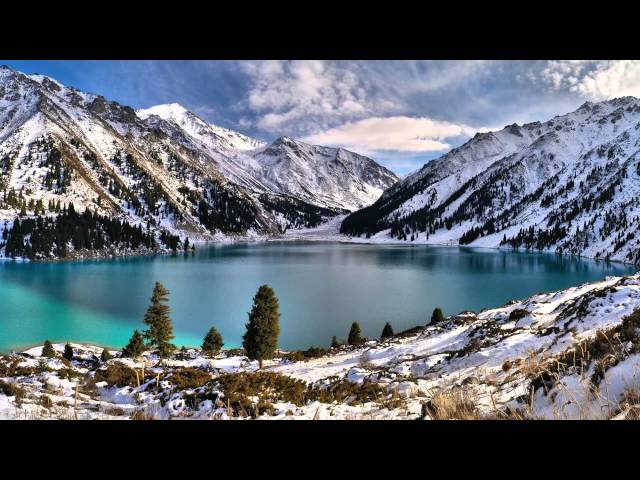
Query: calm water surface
{"points": [[322, 288]]}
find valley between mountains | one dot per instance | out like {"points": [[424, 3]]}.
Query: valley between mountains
{"points": [[82, 176], [568, 185]]}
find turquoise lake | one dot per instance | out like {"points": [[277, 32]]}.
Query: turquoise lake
{"points": [[322, 288]]}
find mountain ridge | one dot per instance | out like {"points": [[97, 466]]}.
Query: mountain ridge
{"points": [[177, 173], [568, 185]]}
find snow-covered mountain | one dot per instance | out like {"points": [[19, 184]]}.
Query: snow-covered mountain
{"points": [[328, 177], [333, 177], [568, 185], [163, 167]]}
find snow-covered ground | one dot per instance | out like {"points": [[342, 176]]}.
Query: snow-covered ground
{"points": [[566, 354]]}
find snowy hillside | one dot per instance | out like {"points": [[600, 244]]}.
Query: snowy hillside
{"points": [[569, 185], [328, 177], [332, 177], [161, 169], [569, 354]]}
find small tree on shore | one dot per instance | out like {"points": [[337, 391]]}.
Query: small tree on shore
{"points": [[212, 343], [47, 350], [437, 315], [261, 338], [334, 342], [68, 352], [387, 331], [355, 338], [135, 347], [160, 331], [105, 355]]}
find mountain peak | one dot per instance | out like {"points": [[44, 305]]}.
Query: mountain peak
{"points": [[283, 139], [166, 111], [183, 150]]}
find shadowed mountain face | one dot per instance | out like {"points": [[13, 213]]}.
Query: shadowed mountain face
{"points": [[165, 168], [569, 185]]}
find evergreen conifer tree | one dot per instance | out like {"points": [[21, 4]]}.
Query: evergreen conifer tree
{"points": [[437, 315], [212, 343], [135, 347], [261, 338], [105, 355], [47, 350], [387, 331], [355, 337], [68, 352], [334, 342], [160, 331]]}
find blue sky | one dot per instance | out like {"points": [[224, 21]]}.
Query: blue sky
{"points": [[401, 113]]}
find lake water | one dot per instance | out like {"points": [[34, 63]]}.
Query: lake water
{"points": [[322, 288]]}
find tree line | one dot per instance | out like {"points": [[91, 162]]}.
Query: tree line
{"points": [[260, 340], [44, 237]]}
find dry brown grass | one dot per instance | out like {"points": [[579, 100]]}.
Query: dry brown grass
{"points": [[630, 404], [532, 365], [454, 404]]}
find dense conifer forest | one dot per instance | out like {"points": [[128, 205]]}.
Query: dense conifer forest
{"points": [[43, 237]]}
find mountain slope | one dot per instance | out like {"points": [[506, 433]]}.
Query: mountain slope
{"points": [[328, 177], [163, 169], [569, 185], [332, 177]]}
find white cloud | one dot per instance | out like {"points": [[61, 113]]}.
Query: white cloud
{"points": [[614, 79], [306, 95], [562, 74], [597, 80], [398, 133], [309, 95], [245, 123], [303, 97]]}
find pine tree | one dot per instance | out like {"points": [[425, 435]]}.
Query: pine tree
{"points": [[68, 352], [437, 315], [135, 347], [212, 343], [105, 355], [387, 331], [160, 331], [47, 350], [355, 337], [334, 342], [261, 338]]}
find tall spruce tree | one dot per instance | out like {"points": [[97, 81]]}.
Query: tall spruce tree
{"points": [[387, 331], [212, 343], [437, 315], [355, 338], [47, 350], [135, 347], [160, 331], [261, 338]]}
